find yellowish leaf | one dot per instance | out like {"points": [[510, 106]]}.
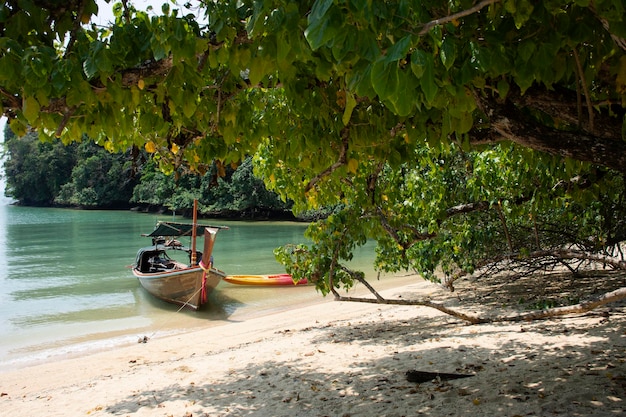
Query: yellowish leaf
{"points": [[350, 105], [141, 84], [150, 147], [175, 148], [353, 164]]}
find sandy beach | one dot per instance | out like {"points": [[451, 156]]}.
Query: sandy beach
{"points": [[347, 359]]}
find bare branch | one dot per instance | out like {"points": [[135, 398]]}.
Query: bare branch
{"points": [[126, 11], [66, 118], [508, 123], [428, 26], [581, 308], [75, 28], [423, 303]]}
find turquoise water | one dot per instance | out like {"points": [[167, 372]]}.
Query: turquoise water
{"points": [[66, 287]]}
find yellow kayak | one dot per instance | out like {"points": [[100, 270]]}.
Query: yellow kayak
{"points": [[277, 279]]}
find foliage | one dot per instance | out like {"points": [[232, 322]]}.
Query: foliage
{"points": [[235, 192], [241, 191], [35, 171], [99, 179], [85, 175], [456, 134]]}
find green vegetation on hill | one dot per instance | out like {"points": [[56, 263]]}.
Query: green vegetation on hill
{"points": [[85, 175]]}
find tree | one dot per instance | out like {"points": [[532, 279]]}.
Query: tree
{"points": [[35, 170], [98, 179], [240, 191], [352, 104], [221, 191]]}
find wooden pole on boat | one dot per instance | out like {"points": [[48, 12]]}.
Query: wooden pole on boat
{"points": [[194, 232], [210, 233], [205, 263]]}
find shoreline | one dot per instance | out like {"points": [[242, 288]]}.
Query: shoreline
{"points": [[175, 322], [344, 359]]}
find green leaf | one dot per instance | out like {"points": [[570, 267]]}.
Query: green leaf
{"points": [[385, 78], [526, 49], [427, 81], [361, 82], [503, 88], [319, 9], [350, 105], [448, 52], [321, 28], [404, 98], [419, 61], [464, 123], [31, 109], [399, 50], [257, 70], [524, 9], [189, 107]]}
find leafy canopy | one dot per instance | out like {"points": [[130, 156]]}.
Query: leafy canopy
{"points": [[451, 132]]}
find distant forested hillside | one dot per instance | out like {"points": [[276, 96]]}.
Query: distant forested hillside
{"points": [[85, 175]]}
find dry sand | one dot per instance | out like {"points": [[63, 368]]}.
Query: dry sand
{"points": [[347, 359]]}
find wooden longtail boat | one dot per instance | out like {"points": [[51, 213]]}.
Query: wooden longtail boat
{"points": [[162, 272], [277, 279]]}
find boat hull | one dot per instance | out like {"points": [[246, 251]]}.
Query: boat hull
{"points": [[182, 287], [264, 280]]}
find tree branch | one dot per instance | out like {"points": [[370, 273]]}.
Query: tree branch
{"points": [[507, 122], [581, 308], [66, 118], [75, 28], [428, 26], [422, 303], [619, 41], [341, 161]]}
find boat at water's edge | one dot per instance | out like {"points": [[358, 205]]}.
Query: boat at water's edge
{"points": [[276, 279], [169, 279]]}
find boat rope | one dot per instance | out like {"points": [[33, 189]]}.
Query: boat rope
{"points": [[203, 295], [145, 339]]}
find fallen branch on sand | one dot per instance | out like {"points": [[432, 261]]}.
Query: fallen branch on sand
{"points": [[580, 308]]}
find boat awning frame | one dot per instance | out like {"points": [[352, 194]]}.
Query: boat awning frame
{"points": [[171, 229]]}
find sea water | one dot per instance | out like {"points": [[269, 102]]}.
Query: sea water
{"points": [[66, 286]]}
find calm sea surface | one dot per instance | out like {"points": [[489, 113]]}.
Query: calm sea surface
{"points": [[66, 288]]}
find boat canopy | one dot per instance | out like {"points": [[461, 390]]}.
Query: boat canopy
{"points": [[166, 229]]}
